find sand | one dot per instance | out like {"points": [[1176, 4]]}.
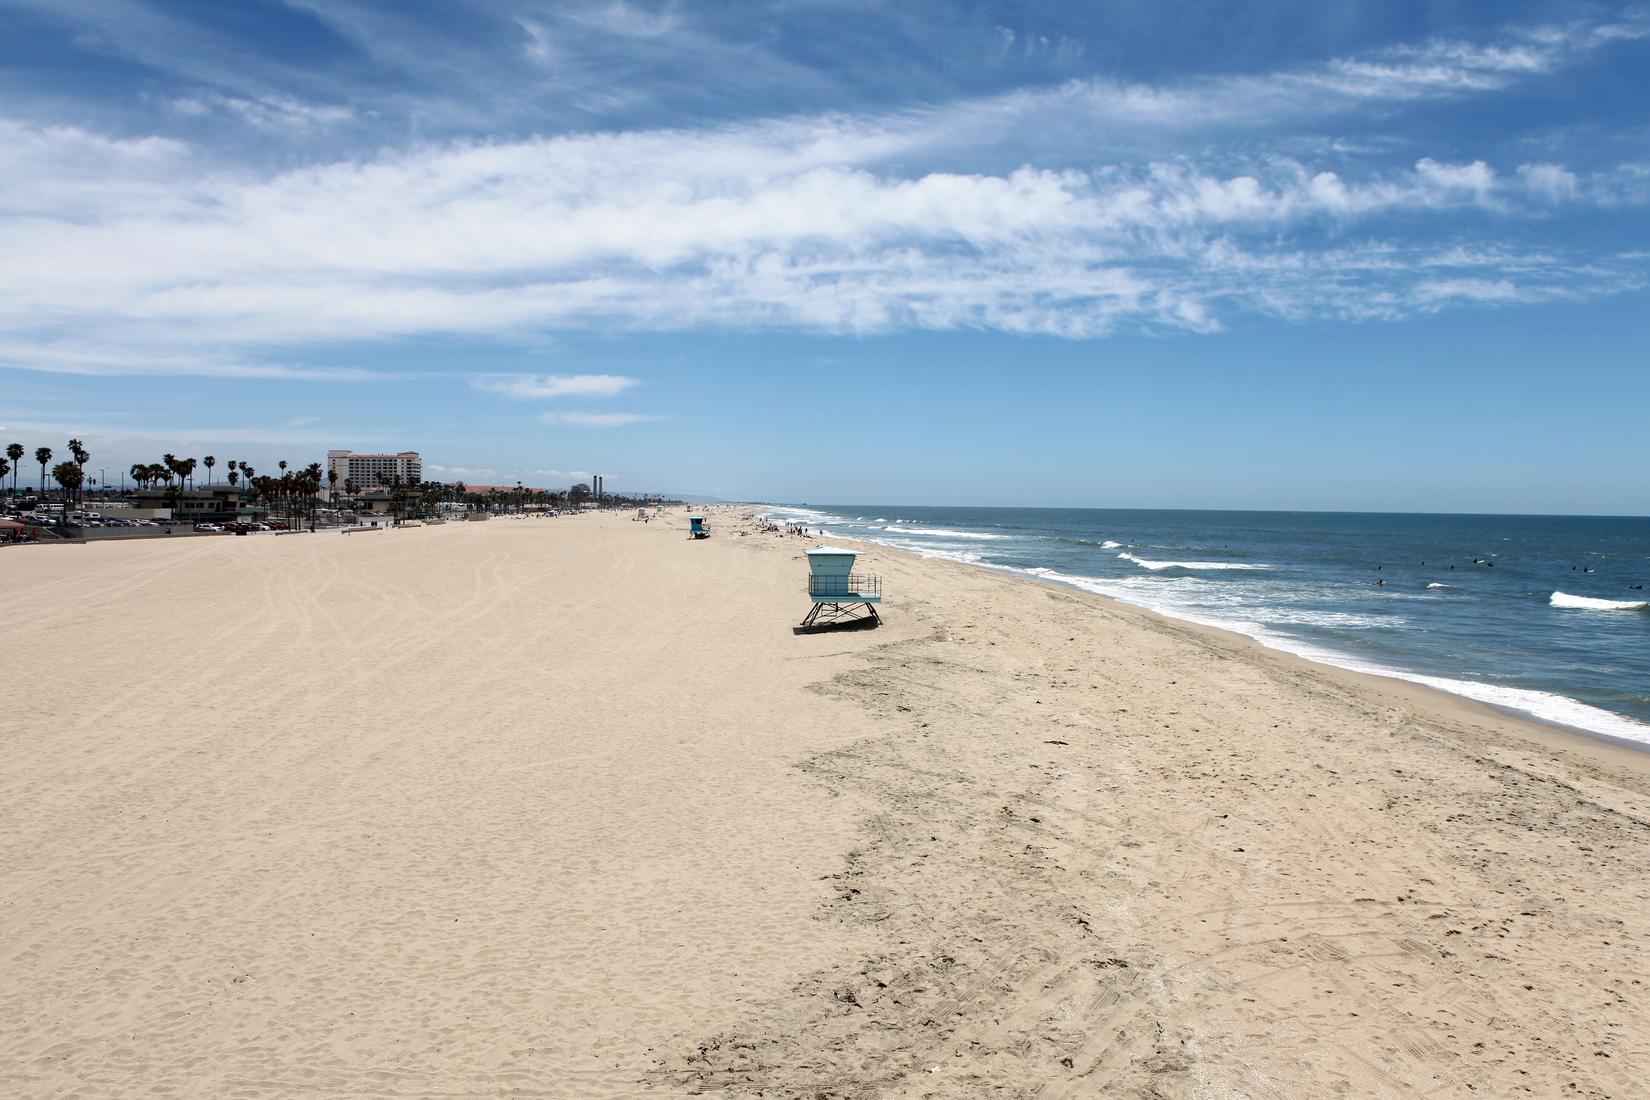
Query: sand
{"points": [[565, 808]]}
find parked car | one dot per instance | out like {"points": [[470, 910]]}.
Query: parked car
{"points": [[214, 528], [278, 525]]}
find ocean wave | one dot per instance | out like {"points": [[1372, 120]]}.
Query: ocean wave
{"points": [[1110, 545], [1545, 706], [930, 551], [1435, 584], [1154, 566], [951, 534], [787, 513], [1336, 620], [1588, 603], [1188, 599]]}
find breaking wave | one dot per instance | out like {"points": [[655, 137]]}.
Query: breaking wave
{"points": [[1588, 603], [1154, 566]]}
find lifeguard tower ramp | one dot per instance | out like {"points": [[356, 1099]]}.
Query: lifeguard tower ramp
{"points": [[838, 593]]}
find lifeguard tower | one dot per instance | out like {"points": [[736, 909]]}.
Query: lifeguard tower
{"points": [[833, 585], [697, 528]]}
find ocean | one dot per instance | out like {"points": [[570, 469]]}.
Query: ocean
{"points": [[1541, 615]]}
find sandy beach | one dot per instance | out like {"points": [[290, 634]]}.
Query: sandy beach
{"points": [[564, 808]]}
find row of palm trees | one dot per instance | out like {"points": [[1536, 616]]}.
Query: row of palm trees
{"points": [[293, 492], [70, 474], [183, 469]]}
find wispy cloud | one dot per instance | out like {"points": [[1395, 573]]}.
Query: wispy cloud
{"points": [[533, 386], [597, 419], [273, 112], [105, 435], [110, 360], [126, 255], [493, 475]]}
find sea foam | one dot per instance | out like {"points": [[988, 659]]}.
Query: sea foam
{"points": [[1588, 603], [1154, 566], [952, 534], [1543, 705]]}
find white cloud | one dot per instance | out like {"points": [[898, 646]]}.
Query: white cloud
{"points": [[480, 474], [271, 112], [597, 420], [625, 20], [553, 385], [128, 256], [740, 228], [1438, 293], [1476, 179], [79, 357], [538, 47], [107, 438], [1551, 181]]}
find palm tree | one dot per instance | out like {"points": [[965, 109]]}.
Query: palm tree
{"points": [[332, 485], [139, 472], [395, 495], [81, 457], [14, 452], [172, 467], [187, 467], [42, 455], [234, 477], [5, 468], [311, 478], [67, 475], [209, 462]]}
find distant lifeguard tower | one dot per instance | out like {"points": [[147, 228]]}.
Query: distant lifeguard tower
{"points": [[697, 528], [839, 594]]}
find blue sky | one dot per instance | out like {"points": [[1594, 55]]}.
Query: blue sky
{"points": [[1385, 256]]}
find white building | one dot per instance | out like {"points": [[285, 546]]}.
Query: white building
{"points": [[370, 470]]}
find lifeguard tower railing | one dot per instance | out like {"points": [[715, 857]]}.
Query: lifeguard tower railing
{"points": [[845, 586]]}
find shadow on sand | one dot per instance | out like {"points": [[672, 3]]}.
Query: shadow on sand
{"points": [[840, 626]]}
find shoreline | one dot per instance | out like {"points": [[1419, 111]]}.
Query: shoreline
{"points": [[1315, 655], [1443, 703], [1378, 816]]}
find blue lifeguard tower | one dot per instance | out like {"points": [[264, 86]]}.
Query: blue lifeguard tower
{"points": [[833, 584], [697, 528]]}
